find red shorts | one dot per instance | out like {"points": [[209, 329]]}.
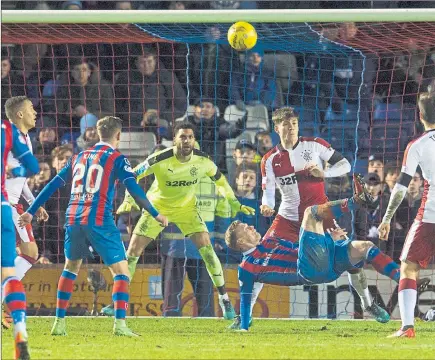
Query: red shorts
{"points": [[419, 245], [289, 230], [21, 234]]}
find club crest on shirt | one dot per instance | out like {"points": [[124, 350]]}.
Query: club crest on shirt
{"points": [[307, 155], [193, 171]]}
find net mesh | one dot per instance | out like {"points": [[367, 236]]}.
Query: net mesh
{"points": [[355, 85]]}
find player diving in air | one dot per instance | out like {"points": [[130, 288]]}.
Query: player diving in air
{"points": [[89, 219], [13, 293], [319, 257], [178, 171]]}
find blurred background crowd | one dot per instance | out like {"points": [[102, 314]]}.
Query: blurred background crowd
{"points": [[229, 97]]}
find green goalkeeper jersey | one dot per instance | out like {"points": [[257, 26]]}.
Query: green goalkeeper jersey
{"points": [[176, 182]]}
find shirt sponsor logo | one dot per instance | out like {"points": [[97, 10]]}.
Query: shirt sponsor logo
{"points": [[181, 183], [288, 180]]}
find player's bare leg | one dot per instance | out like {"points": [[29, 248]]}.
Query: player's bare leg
{"points": [[214, 268], [407, 298], [64, 291], [135, 249], [120, 297], [13, 290]]}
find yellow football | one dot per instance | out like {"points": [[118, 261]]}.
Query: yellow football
{"points": [[242, 36]]}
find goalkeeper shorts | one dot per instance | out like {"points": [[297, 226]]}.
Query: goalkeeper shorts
{"points": [[189, 221]]}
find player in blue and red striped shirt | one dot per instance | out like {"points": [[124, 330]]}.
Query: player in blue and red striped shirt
{"points": [[12, 288], [319, 257], [89, 219]]}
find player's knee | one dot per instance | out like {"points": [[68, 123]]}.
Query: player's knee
{"points": [[30, 250], [308, 213], [73, 265], [361, 247]]}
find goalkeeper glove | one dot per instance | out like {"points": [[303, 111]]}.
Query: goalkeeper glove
{"points": [[236, 207], [128, 205]]}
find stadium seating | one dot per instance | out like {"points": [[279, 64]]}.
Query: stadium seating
{"points": [[137, 144]]}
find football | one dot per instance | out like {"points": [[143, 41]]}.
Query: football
{"points": [[242, 36]]}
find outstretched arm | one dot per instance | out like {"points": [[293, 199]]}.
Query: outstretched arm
{"points": [[268, 185], [339, 166], [225, 190], [45, 194], [409, 167]]}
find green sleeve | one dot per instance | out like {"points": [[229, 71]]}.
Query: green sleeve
{"points": [[143, 169]]}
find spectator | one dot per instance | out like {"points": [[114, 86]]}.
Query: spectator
{"points": [[211, 130], [255, 85], [391, 174], [28, 74], [244, 152], [367, 219], [88, 139], [246, 181], [263, 141], [87, 121], [43, 177], [123, 5], [9, 83], [60, 156], [376, 165], [148, 90], [82, 92], [56, 206], [72, 5], [47, 138]]}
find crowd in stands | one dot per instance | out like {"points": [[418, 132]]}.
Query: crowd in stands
{"points": [[229, 97]]}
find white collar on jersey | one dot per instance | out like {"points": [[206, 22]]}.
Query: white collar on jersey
{"points": [[249, 251], [104, 143]]}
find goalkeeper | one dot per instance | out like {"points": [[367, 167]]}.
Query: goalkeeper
{"points": [[177, 172]]}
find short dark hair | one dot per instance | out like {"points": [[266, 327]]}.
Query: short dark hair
{"points": [[245, 166], [391, 169], [183, 125], [426, 105], [13, 105], [108, 126], [284, 113]]}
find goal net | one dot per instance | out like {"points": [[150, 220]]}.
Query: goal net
{"points": [[353, 84]]}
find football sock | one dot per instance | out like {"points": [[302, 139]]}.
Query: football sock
{"points": [[120, 296], [383, 264], [359, 282], [213, 266], [407, 301], [64, 290], [15, 299], [132, 263]]}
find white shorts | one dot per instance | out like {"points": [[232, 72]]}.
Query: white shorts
{"points": [[24, 234]]}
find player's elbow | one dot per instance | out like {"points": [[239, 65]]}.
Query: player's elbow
{"points": [[346, 166], [33, 167]]}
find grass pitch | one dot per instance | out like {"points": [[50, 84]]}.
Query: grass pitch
{"points": [[91, 338]]}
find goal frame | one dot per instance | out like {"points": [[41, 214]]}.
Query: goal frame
{"points": [[219, 16]]}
